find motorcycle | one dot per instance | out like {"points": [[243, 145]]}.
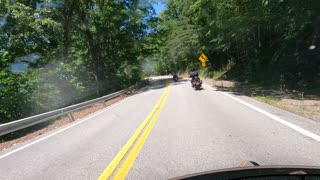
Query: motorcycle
{"points": [[175, 78], [197, 83]]}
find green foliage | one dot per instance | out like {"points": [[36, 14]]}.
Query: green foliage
{"points": [[270, 100], [57, 53], [268, 41]]}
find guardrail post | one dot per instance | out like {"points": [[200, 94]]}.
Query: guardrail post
{"points": [[70, 116]]}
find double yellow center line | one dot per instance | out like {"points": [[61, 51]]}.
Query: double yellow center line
{"points": [[128, 162]]}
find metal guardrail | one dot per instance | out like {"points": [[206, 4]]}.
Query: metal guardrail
{"points": [[33, 120]]}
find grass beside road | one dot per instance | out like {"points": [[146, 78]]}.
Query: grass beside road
{"points": [[278, 103], [309, 108], [269, 100], [217, 73]]}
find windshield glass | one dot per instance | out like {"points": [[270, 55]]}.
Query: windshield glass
{"points": [[157, 89]]}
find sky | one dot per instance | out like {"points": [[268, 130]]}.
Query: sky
{"points": [[159, 7]]}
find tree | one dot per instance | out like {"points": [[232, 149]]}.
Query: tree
{"points": [[56, 53], [263, 38]]}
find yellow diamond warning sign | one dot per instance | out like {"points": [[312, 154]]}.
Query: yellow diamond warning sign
{"points": [[203, 58]]}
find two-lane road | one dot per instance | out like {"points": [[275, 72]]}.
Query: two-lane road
{"points": [[188, 131]]}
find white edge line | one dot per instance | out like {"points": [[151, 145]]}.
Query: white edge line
{"points": [[286, 123], [64, 129]]}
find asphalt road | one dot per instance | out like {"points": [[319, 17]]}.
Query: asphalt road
{"points": [[195, 131]]}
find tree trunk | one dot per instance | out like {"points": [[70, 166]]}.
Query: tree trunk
{"points": [[95, 59], [259, 35], [67, 16]]}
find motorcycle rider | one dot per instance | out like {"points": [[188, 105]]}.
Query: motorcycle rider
{"points": [[193, 74], [175, 76]]}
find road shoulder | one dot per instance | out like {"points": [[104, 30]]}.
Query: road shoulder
{"points": [[303, 122]]}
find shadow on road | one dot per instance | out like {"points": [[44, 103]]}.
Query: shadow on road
{"points": [[161, 84], [244, 89], [180, 81], [201, 89]]}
